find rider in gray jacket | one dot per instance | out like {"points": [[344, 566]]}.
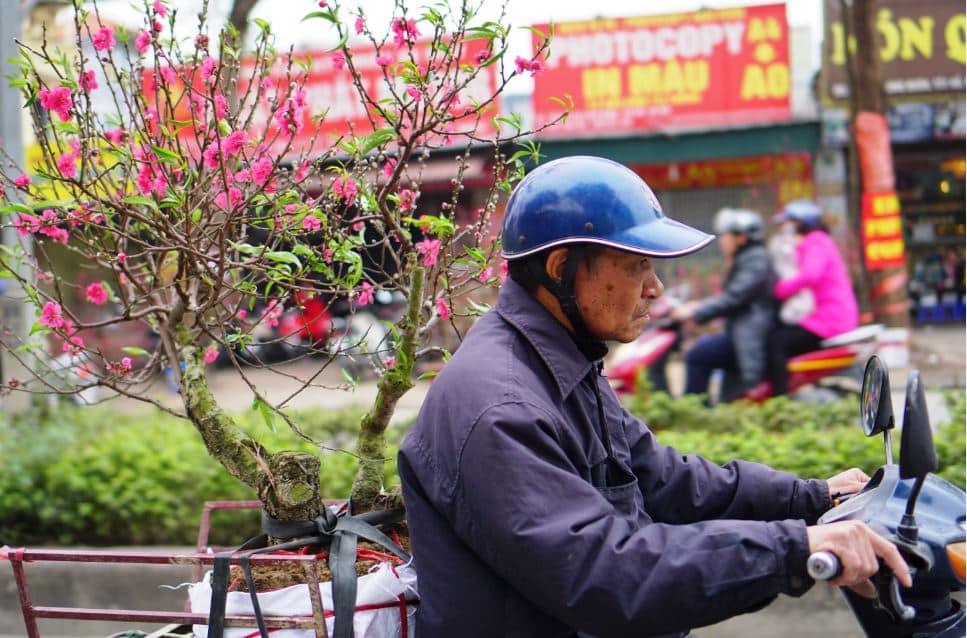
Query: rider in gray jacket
{"points": [[746, 303]]}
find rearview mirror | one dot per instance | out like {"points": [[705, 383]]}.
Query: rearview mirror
{"points": [[917, 454], [876, 405]]}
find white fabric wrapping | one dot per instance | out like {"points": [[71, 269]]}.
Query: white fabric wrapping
{"points": [[380, 586]]}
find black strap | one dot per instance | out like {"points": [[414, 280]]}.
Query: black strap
{"points": [[339, 532]]}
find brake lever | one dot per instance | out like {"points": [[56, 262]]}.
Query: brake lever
{"points": [[888, 596]]}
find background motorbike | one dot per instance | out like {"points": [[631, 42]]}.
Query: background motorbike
{"points": [[836, 366], [922, 514]]}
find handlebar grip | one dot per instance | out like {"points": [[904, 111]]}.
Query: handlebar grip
{"points": [[823, 566]]}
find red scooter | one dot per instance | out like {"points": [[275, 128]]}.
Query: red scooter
{"points": [[837, 365]]}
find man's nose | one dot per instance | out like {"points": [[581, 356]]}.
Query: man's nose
{"points": [[653, 288]]}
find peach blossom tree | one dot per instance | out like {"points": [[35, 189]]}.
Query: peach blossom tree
{"points": [[203, 199]]}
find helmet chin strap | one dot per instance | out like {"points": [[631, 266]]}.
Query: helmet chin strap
{"points": [[563, 290]]}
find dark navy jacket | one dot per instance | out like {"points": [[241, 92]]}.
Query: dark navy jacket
{"points": [[511, 537]]}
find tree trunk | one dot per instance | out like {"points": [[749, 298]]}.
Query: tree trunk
{"points": [[888, 286], [287, 483], [395, 382]]}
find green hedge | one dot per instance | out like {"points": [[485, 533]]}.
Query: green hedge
{"points": [[92, 476]]}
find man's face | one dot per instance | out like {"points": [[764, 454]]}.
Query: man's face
{"points": [[615, 294]]}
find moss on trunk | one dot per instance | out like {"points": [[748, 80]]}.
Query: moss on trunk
{"points": [[287, 483], [395, 382]]}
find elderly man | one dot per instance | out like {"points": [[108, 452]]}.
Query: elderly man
{"points": [[537, 505]]}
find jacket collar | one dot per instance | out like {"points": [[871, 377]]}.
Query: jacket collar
{"points": [[547, 335]]}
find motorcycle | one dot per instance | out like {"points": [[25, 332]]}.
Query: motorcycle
{"points": [[931, 537], [835, 366]]}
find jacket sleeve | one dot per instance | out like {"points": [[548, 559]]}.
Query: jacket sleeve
{"points": [[751, 273], [812, 263], [687, 488], [577, 554]]}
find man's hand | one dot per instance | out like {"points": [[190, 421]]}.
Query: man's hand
{"points": [[848, 482], [685, 311], [857, 547]]}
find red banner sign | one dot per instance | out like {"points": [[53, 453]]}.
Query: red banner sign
{"points": [[790, 174], [882, 231], [329, 90], [711, 68]]}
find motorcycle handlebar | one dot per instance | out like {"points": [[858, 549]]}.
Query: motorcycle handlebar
{"points": [[823, 566]]}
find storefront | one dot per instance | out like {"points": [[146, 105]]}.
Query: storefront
{"points": [[922, 48], [699, 104]]}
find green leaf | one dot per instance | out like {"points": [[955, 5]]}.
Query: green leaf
{"points": [[284, 257], [268, 415], [16, 208], [135, 351], [377, 138], [165, 155], [37, 327], [325, 15], [429, 374], [54, 203], [138, 199], [348, 378]]}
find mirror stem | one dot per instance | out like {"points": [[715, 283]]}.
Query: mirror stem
{"points": [[907, 529], [888, 444]]}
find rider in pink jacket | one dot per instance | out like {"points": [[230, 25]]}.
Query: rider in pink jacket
{"points": [[822, 272]]}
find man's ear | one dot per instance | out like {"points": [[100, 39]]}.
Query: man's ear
{"points": [[554, 265]]}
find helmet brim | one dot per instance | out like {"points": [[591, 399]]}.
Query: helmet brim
{"points": [[663, 237]]}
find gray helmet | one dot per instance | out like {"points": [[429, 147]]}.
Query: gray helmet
{"points": [[740, 221]]}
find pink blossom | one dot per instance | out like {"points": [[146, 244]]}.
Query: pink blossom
{"points": [[96, 293], [338, 61], [122, 257], [323, 3], [226, 201], [22, 181], [482, 56], [413, 92], [51, 316], [407, 199], [365, 295], [211, 354], [142, 42], [157, 26], [234, 143], [115, 136], [58, 100], [45, 276], [523, 64], [442, 308], [303, 171], [358, 226], [383, 60], [88, 81], [430, 249], [345, 188], [262, 170], [73, 345], [389, 167], [311, 224], [503, 272], [272, 313], [221, 106], [27, 224], [242, 313], [169, 75], [103, 40], [207, 69], [404, 31], [67, 164], [360, 25], [390, 362], [485, 275], [160, 8], [125, 365]]}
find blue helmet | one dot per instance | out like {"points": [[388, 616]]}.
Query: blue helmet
{"points": [[804, 211], [592, 200]]}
